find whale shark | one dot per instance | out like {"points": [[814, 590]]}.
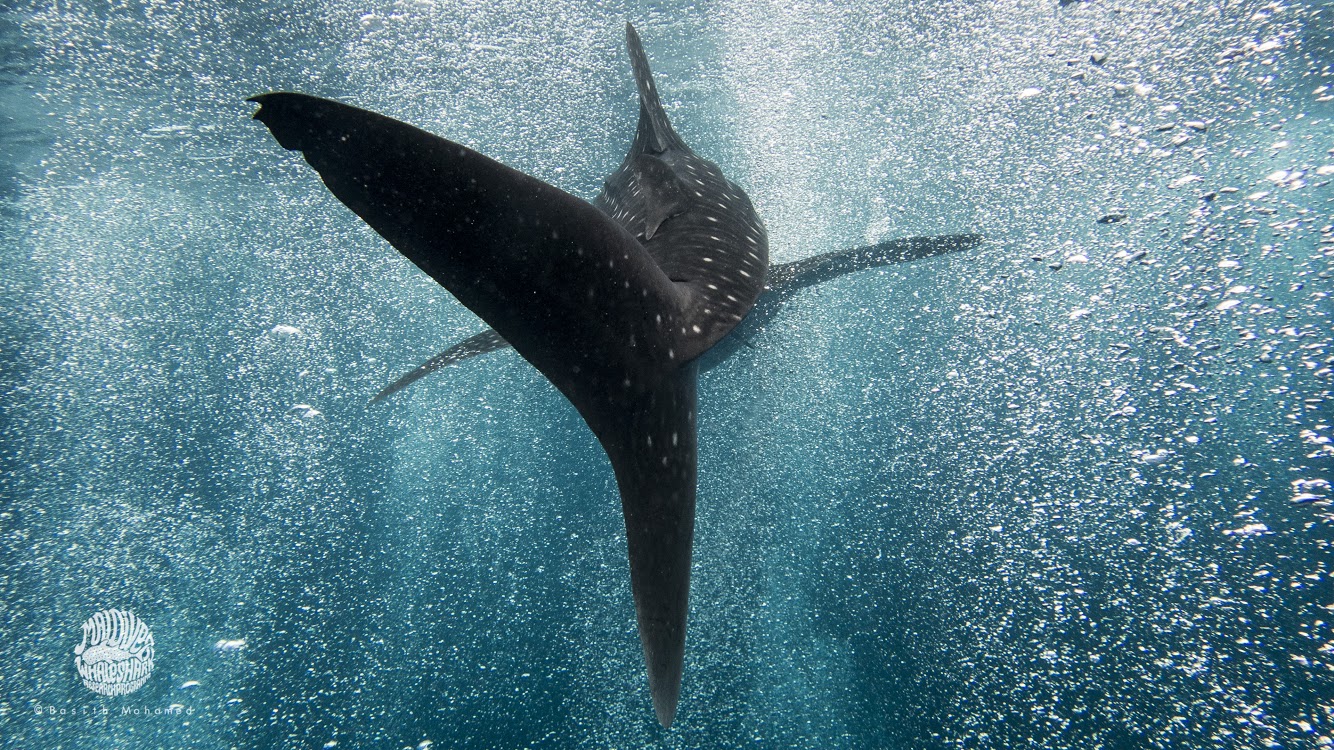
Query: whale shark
{"points": [[617, 301]]}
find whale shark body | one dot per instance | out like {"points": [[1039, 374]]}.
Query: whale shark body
{"points": [[616, 301]]}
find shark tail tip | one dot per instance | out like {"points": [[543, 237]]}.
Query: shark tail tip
{"points": [[665, 708]]}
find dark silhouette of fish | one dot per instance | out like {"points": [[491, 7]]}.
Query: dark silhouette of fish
{"points": [[614, 301]]}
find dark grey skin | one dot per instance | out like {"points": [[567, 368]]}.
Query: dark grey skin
{"points": [[784, 281], [613, 301]]}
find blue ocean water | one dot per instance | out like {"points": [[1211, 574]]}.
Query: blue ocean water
{"points": [[1067, 490]]}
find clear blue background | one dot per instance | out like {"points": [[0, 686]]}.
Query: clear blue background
{"points": [[928, 515]]}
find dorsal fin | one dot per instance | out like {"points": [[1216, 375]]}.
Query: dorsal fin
{"points": [[664, 195], [655, 134]]}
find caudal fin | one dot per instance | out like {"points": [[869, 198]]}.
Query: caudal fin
{"points": [[571, 290]]}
